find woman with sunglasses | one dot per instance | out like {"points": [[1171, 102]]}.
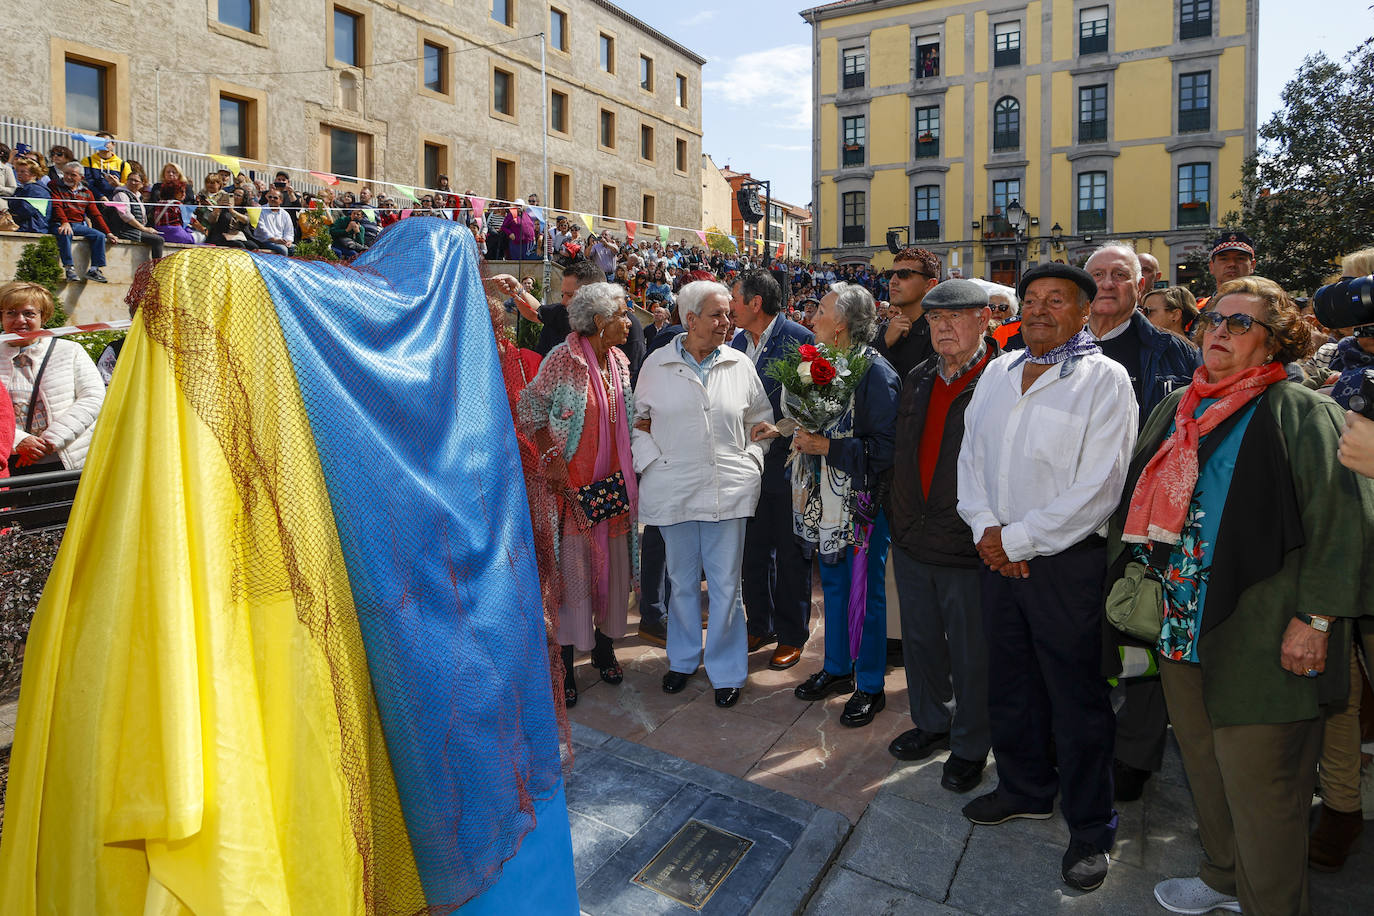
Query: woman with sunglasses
{"points": [[1172, 308], [1236, 502]]}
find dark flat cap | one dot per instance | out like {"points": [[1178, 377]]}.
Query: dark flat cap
{"points": [[1233, 240], [955, 294], [1062, 271]]}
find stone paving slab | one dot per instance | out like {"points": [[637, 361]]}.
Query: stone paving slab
{"points": [[625, 801]]}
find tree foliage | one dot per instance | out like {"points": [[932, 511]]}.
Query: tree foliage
{"points": [[717, 240], [1307, 195]]}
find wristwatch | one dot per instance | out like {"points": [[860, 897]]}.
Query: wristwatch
{"points": [[1320, 624]]}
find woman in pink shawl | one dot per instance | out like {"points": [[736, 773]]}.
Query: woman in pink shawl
{"points": [[578, 411]]}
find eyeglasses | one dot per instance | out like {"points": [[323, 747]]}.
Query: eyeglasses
{"points": [[999, 308], [904, 273], [27, 314], [1235, 324]]}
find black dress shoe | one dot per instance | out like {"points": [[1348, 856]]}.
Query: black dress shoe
{"points": [[962, 774], [917, 744], [674, 681], [822, 684], [727, 697], [862, 707], [1129, 782], [758, 642]]}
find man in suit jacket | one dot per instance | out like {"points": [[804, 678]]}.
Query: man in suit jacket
{"points": [[777, 577]]}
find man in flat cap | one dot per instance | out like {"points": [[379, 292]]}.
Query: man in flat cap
{"points": [[1233, 257], [934, 560], [1047, 439]]}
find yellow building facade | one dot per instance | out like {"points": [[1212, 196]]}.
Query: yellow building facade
{"points": [[1002, 134]]}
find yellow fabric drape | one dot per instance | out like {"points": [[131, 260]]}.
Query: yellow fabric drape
{"points": [[178, 747]]}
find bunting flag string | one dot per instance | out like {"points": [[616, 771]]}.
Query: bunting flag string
{"points": [[229, 162], [663, 234], [119, 324], [478, 203], [95, 142]]}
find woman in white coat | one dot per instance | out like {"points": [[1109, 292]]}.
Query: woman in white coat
{"points": [[55, 388], [697, 405]]}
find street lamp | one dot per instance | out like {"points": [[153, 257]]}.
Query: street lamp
{"points": [[1057, 236]]}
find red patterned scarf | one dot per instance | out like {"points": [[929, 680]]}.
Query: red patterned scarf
{"points": [[1160, 502]]}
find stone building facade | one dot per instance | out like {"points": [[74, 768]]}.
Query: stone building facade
{"points": [[389, 92], [1003, 133]]}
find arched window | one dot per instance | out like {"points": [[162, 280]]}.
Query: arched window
{"points": [[1006, 124]]}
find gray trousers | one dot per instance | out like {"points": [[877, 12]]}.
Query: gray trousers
{"points": [[945, 652]]}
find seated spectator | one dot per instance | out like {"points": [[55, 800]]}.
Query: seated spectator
{"points": [[387, 212], [133, 215], [372, 228], [446, 200], [58, 157], [171, 177], [659, 289], [275, 231], [213, 212], [73, 203], [167, 215], [27, 216], [347, 234], [53, 386], [238, 225], [105, 171], [8, 181]]}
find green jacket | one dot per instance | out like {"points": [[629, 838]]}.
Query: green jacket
{"points": [[339, 230], [1295, 535]]}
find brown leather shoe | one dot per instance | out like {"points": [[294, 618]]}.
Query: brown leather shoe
{"points": [[785, 657], [1334, 839], [758, 642]]}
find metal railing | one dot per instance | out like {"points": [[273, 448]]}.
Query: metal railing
{"points": [[38, 502]]}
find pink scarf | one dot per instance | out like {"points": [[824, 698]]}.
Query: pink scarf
{"points": [[1159, 505], [602, 468]]}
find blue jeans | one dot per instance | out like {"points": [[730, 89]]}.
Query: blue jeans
{"points": [[273, 246], [94, 237], [718, 548], [871, 665]]}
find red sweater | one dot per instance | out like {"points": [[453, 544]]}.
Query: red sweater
{"points": [[941, 397], [70, 206]]}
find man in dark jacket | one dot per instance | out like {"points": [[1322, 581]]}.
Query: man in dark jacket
{"points": [[777, 576], [934, 560], [904, 339], [1158, 362]]}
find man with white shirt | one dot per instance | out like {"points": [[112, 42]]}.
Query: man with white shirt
{"points": [[1048, 437], [777, 575], [274, 231], [1157, 362]]}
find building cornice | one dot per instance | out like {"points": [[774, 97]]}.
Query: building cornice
{"points": [[650, 31]]}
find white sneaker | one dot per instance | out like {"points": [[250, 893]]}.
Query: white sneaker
{"points": [[1193, 897]]}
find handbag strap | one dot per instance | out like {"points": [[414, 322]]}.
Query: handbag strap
{"points": [[37, 382]]}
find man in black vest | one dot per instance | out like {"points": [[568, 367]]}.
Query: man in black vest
{"points": [[934, 560]]}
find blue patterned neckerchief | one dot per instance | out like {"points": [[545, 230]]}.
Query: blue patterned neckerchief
{"points": [[1069, 353], [1350, 361]]}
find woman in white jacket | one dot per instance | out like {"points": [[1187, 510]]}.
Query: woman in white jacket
{"points": [[55, 425], [697, 405]]}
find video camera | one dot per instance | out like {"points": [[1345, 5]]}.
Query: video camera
{"points": [[1349, 302]]}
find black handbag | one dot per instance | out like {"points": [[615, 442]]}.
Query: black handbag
{"points": [[604, 499]]}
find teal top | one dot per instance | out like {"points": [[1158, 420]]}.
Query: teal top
{"points": [[1190, 563]]}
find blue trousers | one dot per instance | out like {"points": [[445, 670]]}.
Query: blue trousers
{"points": [[871, 664], [94, 237], [718, 549]]}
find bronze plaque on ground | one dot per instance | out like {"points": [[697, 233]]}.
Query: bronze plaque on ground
{"points": [[695, 862]]}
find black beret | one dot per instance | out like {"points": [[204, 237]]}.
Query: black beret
{"points": [[1062, 271]]}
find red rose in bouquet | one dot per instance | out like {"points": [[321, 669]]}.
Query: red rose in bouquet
{"points": [[808, 351], [822, 372]]}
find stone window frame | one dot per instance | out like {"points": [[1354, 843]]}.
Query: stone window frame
{"points": [[260, 32], [615, 131], [646, 57], [513, 116], [445, 158], [512, 15], [555, 173], [498, 156], [364, 16], [567, 30], [611, 69], [653, 142], [685, 146], [426, 37], [257, 120], [118, 112], [566, 132]]}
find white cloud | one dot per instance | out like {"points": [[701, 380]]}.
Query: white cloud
{"points": [[700, 18], [776, 79], [789, 147]]}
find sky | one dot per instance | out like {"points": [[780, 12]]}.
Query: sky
{"points": [[756, 85]]}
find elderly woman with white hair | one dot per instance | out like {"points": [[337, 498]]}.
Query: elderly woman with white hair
{"points": [[839, 508], [698, 404], [577, 410]]}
